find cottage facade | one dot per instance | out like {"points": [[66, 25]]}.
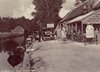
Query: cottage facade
{"points": [[78, 18]]}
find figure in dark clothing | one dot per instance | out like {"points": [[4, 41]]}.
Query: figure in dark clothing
{"points": [[40, 35]]}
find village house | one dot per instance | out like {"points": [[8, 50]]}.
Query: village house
{"points": [[87, 12]]}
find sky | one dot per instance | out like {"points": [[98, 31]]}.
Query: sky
{"points": [[19, 8]]}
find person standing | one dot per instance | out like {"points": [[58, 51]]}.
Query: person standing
{"points": [[96, 35], [63, 33], [40, 35]]}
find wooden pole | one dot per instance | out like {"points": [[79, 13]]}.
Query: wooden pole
{"points": [[82, 28], [72, 32], [82, 31], [76, 27]]}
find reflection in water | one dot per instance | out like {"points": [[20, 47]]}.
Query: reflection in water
{"points": [[15, 49]]}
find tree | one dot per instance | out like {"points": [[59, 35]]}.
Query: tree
{"points": [[47, 10]]}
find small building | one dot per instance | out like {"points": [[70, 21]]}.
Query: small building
{"points": [[78, 18], [79, 23]]}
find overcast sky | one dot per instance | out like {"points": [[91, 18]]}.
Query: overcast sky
{"points": [[18, 8]]}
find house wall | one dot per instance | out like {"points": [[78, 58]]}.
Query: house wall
{"points": [[92, 19]]}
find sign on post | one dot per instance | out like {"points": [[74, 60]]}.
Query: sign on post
{"points": [[89, 31], [50, 25]]}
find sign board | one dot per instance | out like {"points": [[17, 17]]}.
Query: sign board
{"points": [[50, 25], [89, 31]]}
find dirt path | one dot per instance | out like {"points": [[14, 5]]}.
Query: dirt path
{"points": [[68, 57]]}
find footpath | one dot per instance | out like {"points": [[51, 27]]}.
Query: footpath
{"points": [[92, 45], [69, 56]]}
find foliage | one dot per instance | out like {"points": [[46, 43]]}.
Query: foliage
{"points": [[47, 10], [7, 24]]}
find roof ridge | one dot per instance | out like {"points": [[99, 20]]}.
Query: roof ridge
{"points": [[74, 9]]}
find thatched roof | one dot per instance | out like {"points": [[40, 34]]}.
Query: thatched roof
{"points": [[77, 10]]}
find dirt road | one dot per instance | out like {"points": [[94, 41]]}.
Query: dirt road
{"points": [[68, 56]]}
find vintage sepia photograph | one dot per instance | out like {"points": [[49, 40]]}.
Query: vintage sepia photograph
{"points": [[49, 35]]}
